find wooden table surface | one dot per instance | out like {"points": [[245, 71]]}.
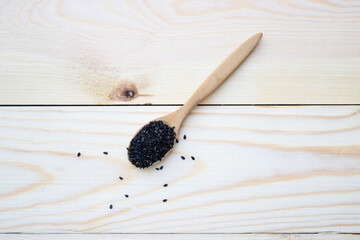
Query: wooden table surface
{"points": [[276, 147]]}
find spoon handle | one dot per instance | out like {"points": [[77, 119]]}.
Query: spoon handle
{"points": [[221, 73]]}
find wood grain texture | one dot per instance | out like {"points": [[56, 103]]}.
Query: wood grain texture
{"points": [[88, 52], [182, 236], [257, 169]]}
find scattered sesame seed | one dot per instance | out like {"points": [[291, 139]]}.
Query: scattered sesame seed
{"points": [[182, 157], [78, 154], [161, 167], [184, 137], [165, 200], [106, 153], [111, 206], [120, 178], [192, 158], [165, 185], [126, 195], [177, 141], [157, 168]]}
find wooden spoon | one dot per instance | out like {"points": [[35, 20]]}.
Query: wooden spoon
{"points": [[176, 118]]}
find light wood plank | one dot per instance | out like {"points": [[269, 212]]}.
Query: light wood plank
{"points": [[84, 52], [182, 236], [257, 169]]}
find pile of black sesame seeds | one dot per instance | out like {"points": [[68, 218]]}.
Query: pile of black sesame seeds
{"points": [[151, 144]]}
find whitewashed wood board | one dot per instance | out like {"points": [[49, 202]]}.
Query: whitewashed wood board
{"points": [[257, 169], [81, 52], [328, 236]]}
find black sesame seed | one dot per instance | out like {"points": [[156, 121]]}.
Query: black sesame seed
{"points": [[165, 200], [161, 167], [157, 168], [105, 153], [151, 144], [192, 158], [165, 185], [111, 206], [120, 178], [182, 157], [126, 195], [177, 141], [78, 154], [184, 137]]}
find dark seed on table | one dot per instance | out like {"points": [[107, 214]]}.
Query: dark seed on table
{"points": [[78, 154], [192, 158], [177, 141], [161, 167], [182, 157], [184, 137], [120, 178], [165, 185], [151, 144], [106, 153], [126, 195], [157, 168], [110, 206], [164, 200]]}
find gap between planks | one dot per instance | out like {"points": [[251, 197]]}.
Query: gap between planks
{"points": [[179, 105]]}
